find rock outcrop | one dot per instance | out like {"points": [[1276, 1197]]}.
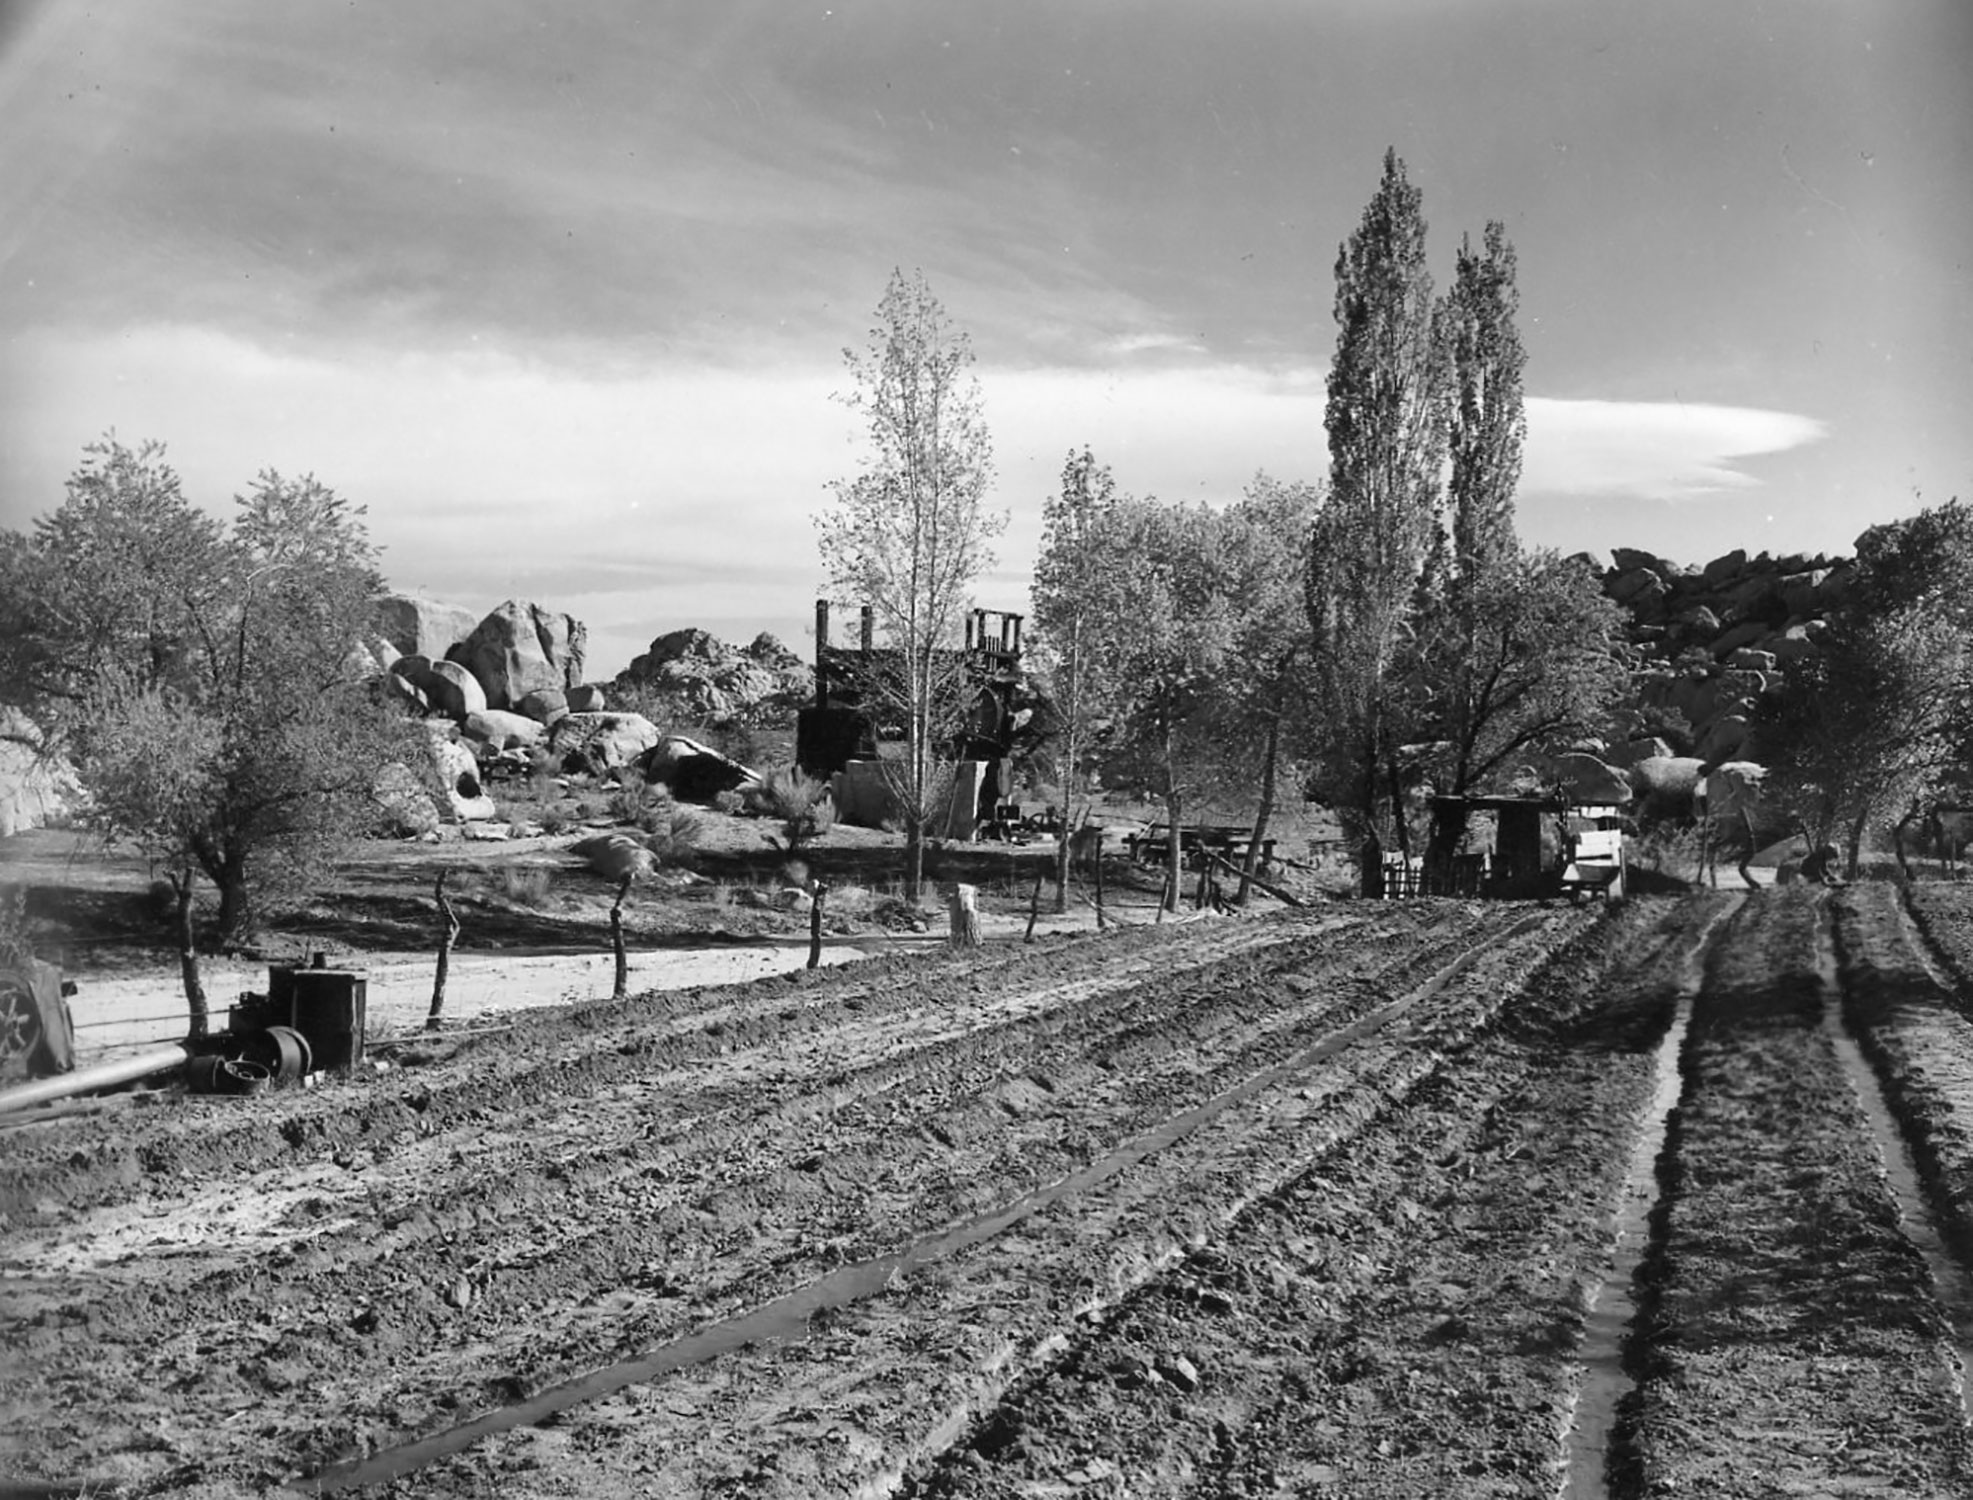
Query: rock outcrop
{"points": [[602, 742], [445, 686], [416, 626], [700, 676], [405, 807], [1711, 640], [459, 774], [521, 647], [496, 729], [614, 856], [696, 772]]}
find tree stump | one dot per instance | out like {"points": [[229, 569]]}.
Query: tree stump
{"points": [[965, 914]]}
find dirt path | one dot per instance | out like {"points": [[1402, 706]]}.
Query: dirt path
{"points": [[123, 1012], [1318, 1204]]}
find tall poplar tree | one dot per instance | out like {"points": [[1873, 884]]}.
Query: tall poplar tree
{"points": [[1515, 652], [1487, 422], [1387, 442], [910, 533]]}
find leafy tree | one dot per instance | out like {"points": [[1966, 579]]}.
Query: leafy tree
{"points": [[1372, 539], [1526, 658], [1513, 651], [1263, 685], [208, 681], [1165, 653], [1881, 721], [110, 583], [1074, 597], [1487, 422], [910, 533]]}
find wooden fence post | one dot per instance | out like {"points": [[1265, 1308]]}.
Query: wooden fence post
{"points": [[622, 986], [448, 934], [818, 892]]}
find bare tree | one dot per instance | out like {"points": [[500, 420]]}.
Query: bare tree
{"points": [[910, 533]]}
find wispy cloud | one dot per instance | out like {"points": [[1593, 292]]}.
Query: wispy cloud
{"points": [[1653, 450]]}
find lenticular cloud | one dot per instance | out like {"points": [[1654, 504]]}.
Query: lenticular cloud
{"points": [[1655, 450]]}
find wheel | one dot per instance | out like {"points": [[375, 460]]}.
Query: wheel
{"points": [[244, 1078], [20, 1023], [282, 1050]]}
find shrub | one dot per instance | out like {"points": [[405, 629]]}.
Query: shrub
{"points": [[670, 832], [525, 885], [803, 805], [626, 803], [851, 901]]}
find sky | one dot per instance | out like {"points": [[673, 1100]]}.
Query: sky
{"points": [[561, 293]]}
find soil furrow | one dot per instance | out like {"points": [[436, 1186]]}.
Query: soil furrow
{"points": [[957, 1333], [1789, 1339], [607, 1259]]}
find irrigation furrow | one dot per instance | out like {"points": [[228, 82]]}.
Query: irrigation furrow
{"points": [[1395, 1321], [637, 1249], [1002, 1307], [1790, 1338]]}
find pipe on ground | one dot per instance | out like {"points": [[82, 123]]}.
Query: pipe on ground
{"points": [[105, 1075]]}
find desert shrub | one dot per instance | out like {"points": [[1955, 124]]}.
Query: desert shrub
{"points": [[626, 803], [554, 821], [801, 804], [669, 831], [851, 901], [525, 885]]}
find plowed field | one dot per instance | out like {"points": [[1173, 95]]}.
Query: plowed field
{"points": [[1384, 1200]]}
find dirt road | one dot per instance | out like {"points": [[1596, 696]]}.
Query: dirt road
{"points": [[1355, 1202]]}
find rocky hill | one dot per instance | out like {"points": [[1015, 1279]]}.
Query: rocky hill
{"points": [[1711, 639]]}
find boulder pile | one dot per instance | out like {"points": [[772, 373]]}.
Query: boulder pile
{"points": [[482, 672], [1711, 639], [505, 681], [699, 676]]}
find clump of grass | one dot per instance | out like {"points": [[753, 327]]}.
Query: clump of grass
{"points": [[526, 885]]}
